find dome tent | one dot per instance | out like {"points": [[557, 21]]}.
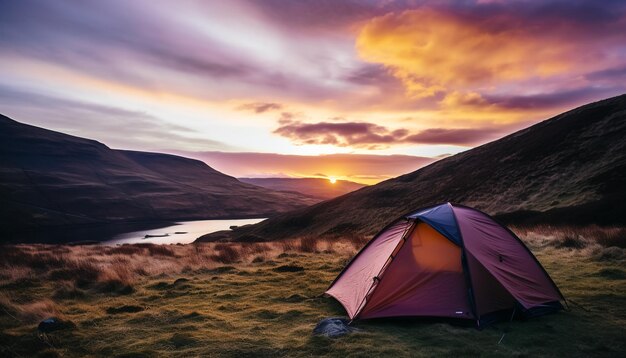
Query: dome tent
{"points": [[447, 260]]}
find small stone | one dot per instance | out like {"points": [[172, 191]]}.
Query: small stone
{"points": [[333, 327], [54, 324]]}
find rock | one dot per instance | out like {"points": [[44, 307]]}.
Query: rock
{"points": [[333, 327], [54, 324]]}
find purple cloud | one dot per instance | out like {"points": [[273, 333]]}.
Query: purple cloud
{"points": [[557, 99], [99, 121], [369, 135], [260, 107]]}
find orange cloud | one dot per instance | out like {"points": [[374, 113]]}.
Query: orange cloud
{"points": [[433, 51]]}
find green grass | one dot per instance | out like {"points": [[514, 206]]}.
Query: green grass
{"points": [[251, 309]]}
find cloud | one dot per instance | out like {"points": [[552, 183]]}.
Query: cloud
{"points": [[460, 136], [260, 107], [432, 50], [189, 48], [287, 117], [554, 99], [373, 136], [493, 50], [364, 168], [609, 74], [101, 122], [338, 134], [449, 65], [321, 15]]}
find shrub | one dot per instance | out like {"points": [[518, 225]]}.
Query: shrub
{"points": [[288, 245], [357, 241], [308, 244], [610, 254], [569, 240], [79, 271], [157, 250], [125, 249], [608, 237], [68, 291], [226, 254], [30, 312], [117, 271]]}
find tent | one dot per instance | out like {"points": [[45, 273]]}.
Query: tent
{"points": [[447, 260]]}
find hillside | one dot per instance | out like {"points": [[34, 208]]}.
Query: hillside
{"points": [[316, 187], [264, 300], [50, 178], [568, 169]]}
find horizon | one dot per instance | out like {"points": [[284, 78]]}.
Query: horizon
{"points": [[353, 91]]}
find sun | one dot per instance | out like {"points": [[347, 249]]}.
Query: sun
{"points": [[332, 180]]}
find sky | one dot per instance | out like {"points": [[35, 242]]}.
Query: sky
{"points": [[358, 90]]}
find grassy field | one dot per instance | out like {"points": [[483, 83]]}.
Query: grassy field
{"points": [[263, 300]]}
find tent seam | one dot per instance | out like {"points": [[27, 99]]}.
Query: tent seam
{"points": [[407, 232], [472, 296], [523, 245], [405, 217]]}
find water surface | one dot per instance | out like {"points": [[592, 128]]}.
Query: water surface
{"points": [[182, 232]]}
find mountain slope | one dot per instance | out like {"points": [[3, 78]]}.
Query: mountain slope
{"points": [[570, 168], [50, 178], [316, 187]]}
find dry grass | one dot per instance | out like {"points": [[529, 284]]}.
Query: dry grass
{"points": [[309, 244], [226, 253], [265, 302], [98, 266], [575, 236], [28, 312], [594, 242]]}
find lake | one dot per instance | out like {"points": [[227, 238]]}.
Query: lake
{"points": [[182, 232]]}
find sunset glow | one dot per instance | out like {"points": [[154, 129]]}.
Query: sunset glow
{"points": [[332, 180], [354, 80]]}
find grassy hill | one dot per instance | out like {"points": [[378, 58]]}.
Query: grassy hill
{"points": [[569, 169], [317, 187], [263, 300], [50, 178]]}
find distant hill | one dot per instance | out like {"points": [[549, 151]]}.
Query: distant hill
{"points": [[50, 178], [568, 169], [316, 187]]}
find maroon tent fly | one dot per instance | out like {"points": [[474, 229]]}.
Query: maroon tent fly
{"points": [[445, 261]]}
